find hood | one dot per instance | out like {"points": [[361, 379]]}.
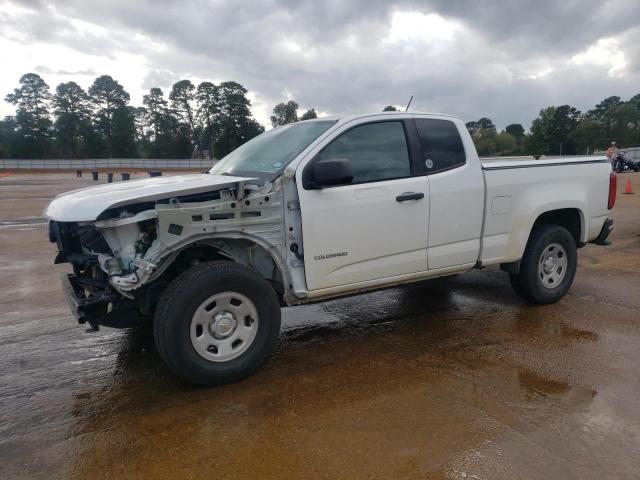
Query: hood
{"points": [[87, 204]]}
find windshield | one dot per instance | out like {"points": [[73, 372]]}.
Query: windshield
{"points": [[266, 155]]}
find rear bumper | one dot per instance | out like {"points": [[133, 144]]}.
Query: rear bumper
{"points": [[603, 237]]}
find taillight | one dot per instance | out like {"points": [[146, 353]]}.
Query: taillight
{"points": [[613, 186]]}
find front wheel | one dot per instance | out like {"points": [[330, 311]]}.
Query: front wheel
{"points": [[216, 322], [548, 266]]}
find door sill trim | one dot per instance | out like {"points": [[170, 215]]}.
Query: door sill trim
{"points": [[351, 288]]}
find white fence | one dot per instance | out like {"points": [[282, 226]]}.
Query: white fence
{"points": [[106, 163]]}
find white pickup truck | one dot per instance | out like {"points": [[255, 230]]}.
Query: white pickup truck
{"points": [[316, 210]]}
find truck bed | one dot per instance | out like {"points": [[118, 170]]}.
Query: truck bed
{"points": [[517, 193]]}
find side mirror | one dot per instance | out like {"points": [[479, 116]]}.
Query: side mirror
{"points": [[329, 172]]}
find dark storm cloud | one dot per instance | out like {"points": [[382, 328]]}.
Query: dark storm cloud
{"points": [[562, 26], [506, 60], [40, 24]]}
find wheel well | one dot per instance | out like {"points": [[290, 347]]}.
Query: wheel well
{"points": [[194, 254], [568, 218], [243, 251]]}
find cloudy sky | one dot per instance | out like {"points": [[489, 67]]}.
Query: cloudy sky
{"points": [[505, 60]]}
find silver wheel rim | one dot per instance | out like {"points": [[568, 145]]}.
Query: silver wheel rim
{"points": [[552, 266], [224, 326]]}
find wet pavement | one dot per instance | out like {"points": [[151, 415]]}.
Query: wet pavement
{"points": [[452, 378]]}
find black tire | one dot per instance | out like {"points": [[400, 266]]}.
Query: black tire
{"points": [[185, 294], [514, 280], [528, 283]]}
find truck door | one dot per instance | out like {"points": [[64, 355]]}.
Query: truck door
{"points": [[376, 226], [457, 194]]}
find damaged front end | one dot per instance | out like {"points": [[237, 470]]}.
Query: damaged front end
{"points": [[124, 258], [100, 257]]}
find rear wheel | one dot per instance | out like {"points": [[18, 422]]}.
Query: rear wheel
{"points": [[216, 322], [548, 266]]}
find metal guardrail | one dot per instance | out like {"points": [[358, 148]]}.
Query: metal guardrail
{"points": [[632, 152], [105, 163]]}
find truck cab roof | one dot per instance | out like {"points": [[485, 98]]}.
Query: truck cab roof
{"points": [[357, 116]]}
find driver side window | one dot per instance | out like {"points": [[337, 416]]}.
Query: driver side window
{"points": [[377, 151]]}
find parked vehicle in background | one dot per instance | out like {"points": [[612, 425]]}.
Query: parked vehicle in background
{"points": [[622, 163], [315, 210]]}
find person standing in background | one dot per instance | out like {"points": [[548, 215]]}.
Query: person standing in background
{"points": [[612, 152]]}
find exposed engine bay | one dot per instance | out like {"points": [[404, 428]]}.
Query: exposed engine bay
{"points": [[124, 259]]}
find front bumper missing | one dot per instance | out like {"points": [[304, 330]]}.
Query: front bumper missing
{"points": [[83, 308], [603, 238], [101, 308]]}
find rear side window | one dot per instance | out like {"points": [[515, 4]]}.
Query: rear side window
{"points": [[377, 151], [441, 144]]}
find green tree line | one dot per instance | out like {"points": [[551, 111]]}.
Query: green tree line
{"points": [[100, 122], [212, 120], [563, 130]]}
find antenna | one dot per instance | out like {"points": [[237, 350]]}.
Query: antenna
{"points": [[408, 103]]}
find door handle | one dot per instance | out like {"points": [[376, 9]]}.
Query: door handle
{"points": [[405, 197]]}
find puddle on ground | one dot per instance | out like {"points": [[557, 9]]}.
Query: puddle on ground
{"points": [[534, 383], [579, 334]]}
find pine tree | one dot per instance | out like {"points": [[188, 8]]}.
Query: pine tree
{"points": [[106, 95], [32, 121], [73, 119]]}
